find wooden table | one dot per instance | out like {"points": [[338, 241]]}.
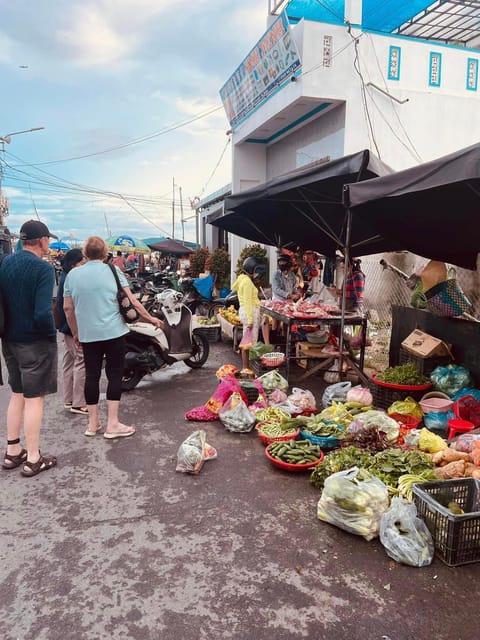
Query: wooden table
{"points": [[350, 320]]}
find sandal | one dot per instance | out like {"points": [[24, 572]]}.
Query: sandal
{"points": [[12, 462], [91, 434], [42, 464]]}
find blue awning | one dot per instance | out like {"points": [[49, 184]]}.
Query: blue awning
{"points": [[378, 15]]}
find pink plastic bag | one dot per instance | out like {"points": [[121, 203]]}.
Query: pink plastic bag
{"points": [[247, 339]]}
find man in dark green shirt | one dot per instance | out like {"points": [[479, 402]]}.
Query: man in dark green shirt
{"points": [[29, 345]]}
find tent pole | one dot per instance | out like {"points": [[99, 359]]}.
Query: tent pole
{"points": [[346, 255]]}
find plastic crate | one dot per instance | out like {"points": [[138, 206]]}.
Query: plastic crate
{"points": [[424, 365], [259, 368], [212, 332], [384, 397], [456, 537]]}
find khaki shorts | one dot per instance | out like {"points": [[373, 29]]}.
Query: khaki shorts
{"points": [[32, 367]]}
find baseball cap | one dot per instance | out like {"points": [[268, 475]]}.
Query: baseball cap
{"points": [[34, 229]]}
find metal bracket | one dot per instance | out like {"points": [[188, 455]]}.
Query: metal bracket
{"points": [[371, 84]]}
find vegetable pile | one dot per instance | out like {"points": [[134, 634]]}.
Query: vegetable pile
{"points": [[295, 451], [405, 374]]}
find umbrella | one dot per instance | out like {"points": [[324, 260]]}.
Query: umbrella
{"points": [[59, 246], [171, 246], [127, 244]]}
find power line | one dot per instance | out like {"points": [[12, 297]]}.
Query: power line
{"points": [[215, 168], [132, 142]]}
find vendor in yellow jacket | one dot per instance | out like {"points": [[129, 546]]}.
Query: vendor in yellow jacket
{"points": [[249, 311]]}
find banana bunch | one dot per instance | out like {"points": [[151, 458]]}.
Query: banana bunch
{"points": [[230, 314]]}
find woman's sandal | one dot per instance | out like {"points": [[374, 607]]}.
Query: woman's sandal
{"points": [[12, 462], [42, 464], [91, 434]]}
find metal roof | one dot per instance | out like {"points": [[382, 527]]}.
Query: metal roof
{"points": [[449, 21]]}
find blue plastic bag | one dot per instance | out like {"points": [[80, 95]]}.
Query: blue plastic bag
{"points": [[204, 286], [451, 379]]}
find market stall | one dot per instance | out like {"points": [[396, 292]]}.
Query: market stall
{"points": [[318, 314]]}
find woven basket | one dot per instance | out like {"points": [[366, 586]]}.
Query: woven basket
{"points": [[273, 359]]}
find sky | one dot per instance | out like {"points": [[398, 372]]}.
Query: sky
{"points": [[128, 94]]}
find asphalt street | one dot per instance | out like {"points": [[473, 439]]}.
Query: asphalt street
{"points": [[114, 543]]}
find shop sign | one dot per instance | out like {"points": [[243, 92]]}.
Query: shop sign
{"points": [[472, 74], [273, 59], [394, 56], [435, 74], [327, 51]]}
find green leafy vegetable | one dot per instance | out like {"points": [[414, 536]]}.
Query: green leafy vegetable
{"points": [[406, 374]]}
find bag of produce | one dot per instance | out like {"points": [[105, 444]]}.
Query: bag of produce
{"points": [[405, 536], [465, 441], [430, 442], [336, 392], [273, 380], [193, 452], [259, 349], [227, 386], [380, 419], [451, 378], [302, 399], [355, 501], [361, 395], [408, 407], [235, 415]]}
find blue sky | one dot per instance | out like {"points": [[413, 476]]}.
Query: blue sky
{"points": [[101, 74]]}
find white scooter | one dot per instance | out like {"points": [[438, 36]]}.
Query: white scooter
{"points": [[149, 349]]}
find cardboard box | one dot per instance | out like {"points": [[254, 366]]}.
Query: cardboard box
{"points": [[424, 345]]}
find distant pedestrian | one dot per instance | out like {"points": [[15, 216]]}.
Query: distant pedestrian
{"points": [[119, 261], [73, 366], [29, 345]]}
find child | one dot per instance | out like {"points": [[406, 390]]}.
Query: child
{"points": [[249, 311]]}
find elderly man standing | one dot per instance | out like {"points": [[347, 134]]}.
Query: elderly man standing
{"points": [[29, 345]]}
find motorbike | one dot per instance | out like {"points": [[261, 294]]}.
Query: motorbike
{"points": [[149, 349]]}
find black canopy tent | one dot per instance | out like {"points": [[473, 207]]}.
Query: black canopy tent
{"points": [[431, 210], [171, 246], [305, 208]]}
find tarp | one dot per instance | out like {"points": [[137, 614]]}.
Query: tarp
{"points": [[305, 209], [431, 210], [170, 246], [127, 244]]}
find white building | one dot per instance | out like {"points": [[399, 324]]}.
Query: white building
{"points": [[331, 78]]}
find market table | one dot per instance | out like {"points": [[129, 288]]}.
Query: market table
{"points": [[330, 320]]}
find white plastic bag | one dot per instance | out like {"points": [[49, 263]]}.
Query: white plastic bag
{"points": [[235, 415], [302, 399], [336, 393], [405, 536], [333, 375], [383, 421], [273, 380], [193, 452], [352, 503]]}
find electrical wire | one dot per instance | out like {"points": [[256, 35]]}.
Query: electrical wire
{"points": [[133, 142], [356, 66], [215, 168], [415, 154]]}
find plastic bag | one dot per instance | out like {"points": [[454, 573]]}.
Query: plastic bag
{"points": [[259, 349], [430, 442], [384, 423], [273, 380], [412, 438], [193, 452], [247, 339], [409, 407], [336, 392], [333, 375], [438, 420], [451, 378], [235, 415], [465, 441], [405, 536], [227, 386], [277, 397], [302, 399], [355, 501]]}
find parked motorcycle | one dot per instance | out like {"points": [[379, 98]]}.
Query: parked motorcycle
{"points": [[149, 349]]}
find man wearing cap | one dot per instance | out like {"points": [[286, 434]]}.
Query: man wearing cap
{"points": [[29, 345]]}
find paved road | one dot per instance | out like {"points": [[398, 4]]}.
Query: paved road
{"points": [[113, 543]]}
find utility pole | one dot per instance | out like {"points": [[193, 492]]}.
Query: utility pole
{"points": [[181, 214], [173, 209]]}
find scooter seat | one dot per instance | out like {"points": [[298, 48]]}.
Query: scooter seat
{"points": [[179, 337]]}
